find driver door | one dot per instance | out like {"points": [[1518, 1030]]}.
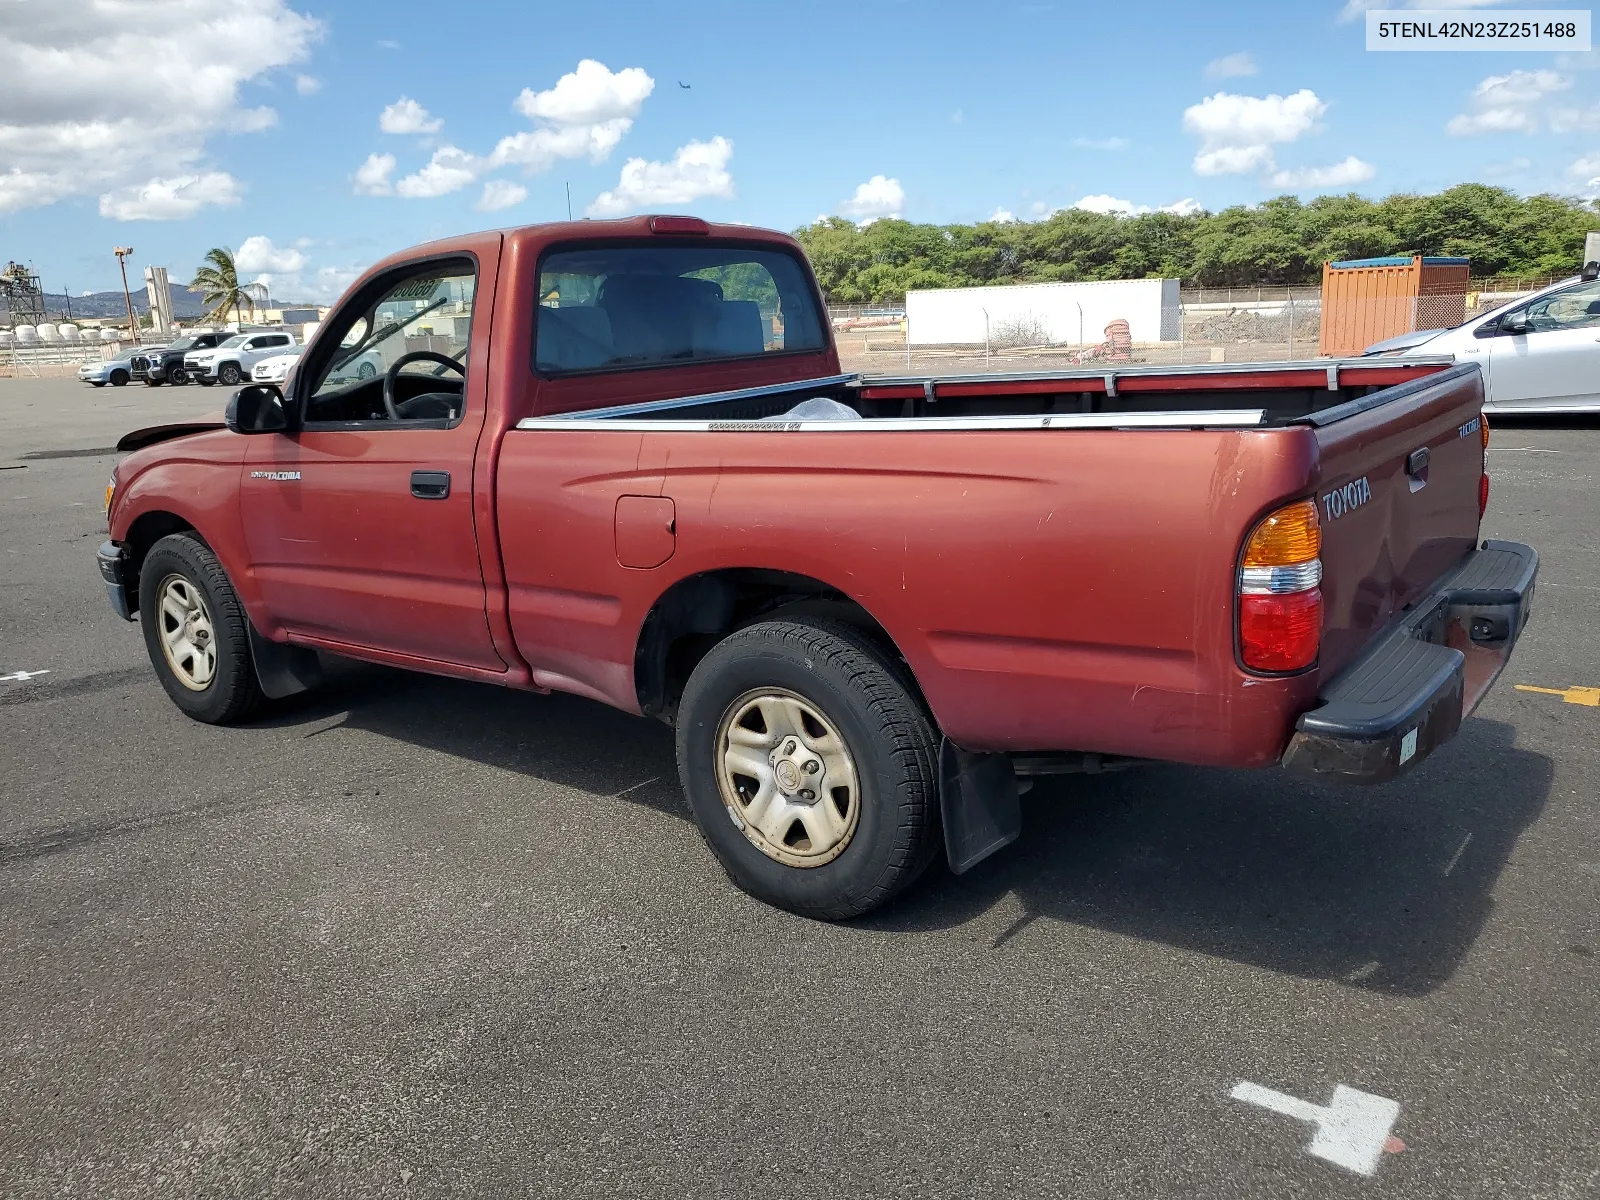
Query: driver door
{"points": [[359, 521]]}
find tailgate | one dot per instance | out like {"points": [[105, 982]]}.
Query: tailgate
{"points": [[1398, 495]]}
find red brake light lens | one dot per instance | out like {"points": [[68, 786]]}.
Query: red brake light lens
{"points": [[1282, 632], [1483, 494], [679, 225]]}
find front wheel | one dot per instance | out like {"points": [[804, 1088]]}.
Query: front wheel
{"points": [[229, 374], [196, 631], [366, 371], [119, 379], [810, 766], [176, 376]]}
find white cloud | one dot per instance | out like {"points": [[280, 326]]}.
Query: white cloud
{"points": [[1116, 207], [307, 85], [1002, 216], [1237, 133], [171, 199], [1512, 103], [406, 116], [449, 170], [587, 113], [588, 96], [1109, 143], [1230, 66], [1501, 170], [372, 177], [698, 169], [259, 254], [1587, 171], [500, 193], [1339, 174], [71, 124], [877, 197]]}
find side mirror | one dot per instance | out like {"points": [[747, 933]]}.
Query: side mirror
{"points": [[257, 408], [1514, 323], [1591, 271]]}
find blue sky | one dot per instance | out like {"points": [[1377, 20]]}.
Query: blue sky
{"points": [[256, 129]]}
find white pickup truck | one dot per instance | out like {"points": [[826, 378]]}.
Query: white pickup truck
{"points": [[1538, 353], [230, 363]]}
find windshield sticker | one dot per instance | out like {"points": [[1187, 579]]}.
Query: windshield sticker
{"points": [[1342, 499]]}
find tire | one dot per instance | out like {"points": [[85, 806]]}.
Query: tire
{"points": [[846, 689], [119, 379], [149, 382], [366, 371], [204, 382], [177, 376], [97, 383], [181, 567], [229, 374]]}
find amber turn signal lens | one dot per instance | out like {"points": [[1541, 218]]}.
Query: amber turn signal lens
{"points": [[1289, 536], [1483, 430]]}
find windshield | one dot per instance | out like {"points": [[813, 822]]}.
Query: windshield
{"points": [[233, 341]]}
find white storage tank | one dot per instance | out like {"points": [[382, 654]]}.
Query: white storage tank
{"points": [[68, 331], [47, 332], [110, 335], [27, 335], [7, 337]]}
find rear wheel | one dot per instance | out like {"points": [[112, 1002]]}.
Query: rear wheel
{"points": [[196, 631], [119, 379], [810, 766]]}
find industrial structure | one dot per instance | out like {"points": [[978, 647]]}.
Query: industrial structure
{"points": [[21, 296]]}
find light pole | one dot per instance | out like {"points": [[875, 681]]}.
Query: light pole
{"points": [[122, 253]]}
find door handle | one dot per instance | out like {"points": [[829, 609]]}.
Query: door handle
{"points": [[430, 485]]}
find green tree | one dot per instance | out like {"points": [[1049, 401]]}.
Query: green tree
{"points": [[218, 282], [1280, 241]]}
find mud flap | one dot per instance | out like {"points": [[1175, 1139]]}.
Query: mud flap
{"points": [[281, 669], [980, 803]]}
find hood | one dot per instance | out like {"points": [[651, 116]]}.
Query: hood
{"points": [[1406, 341], [151, 434]]}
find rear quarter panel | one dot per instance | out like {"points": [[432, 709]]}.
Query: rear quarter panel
{"points": [[1050, 589]]}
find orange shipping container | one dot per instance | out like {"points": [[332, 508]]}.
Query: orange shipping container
{"points": [[1365, 300]]}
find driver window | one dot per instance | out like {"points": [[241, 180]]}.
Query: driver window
{"points": [[1575, 308], [421, 323]]}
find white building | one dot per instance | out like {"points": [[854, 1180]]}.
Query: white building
{"points": [[1061, 313]]}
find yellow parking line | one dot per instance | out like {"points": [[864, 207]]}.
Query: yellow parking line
{"points": [[1572, 695]]}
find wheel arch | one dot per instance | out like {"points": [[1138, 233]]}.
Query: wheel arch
{"points": [[145, 531], [698, 611]]}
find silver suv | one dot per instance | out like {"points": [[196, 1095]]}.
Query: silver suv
{"points": [[230, 363]]}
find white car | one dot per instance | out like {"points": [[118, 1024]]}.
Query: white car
{"points": [[1538, 354], [276, 369], [232, 362], [115, 371]]}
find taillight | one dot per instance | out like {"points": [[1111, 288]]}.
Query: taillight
{"points": [[1280, 603], [1483, 480]]}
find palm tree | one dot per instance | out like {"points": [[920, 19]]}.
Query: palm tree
{"points": [[218, 280]]}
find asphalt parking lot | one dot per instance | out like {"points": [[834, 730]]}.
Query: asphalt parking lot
{"points": [[421, 937]]}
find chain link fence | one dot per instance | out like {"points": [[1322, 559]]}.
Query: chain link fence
{"points": [[1254, 324]]}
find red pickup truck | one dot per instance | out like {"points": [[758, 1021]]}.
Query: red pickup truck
{"points": [[620, 459]]}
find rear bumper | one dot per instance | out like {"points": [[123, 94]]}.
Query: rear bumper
{"points": [[1408, 694], [114, 572]]}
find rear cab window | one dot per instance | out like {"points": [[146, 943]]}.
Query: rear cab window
{"points": [[609, 308]]}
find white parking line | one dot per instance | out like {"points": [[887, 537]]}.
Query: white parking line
{"points": [[22, 676], [1352, 1131]]}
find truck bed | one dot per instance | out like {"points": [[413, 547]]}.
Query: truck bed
{"points": [[1049, 592]]}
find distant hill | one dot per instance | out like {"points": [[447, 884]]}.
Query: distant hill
{"points": [[186, 304]]}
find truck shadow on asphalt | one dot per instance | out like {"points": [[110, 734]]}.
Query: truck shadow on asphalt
{"points": [[1384, 888]]}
